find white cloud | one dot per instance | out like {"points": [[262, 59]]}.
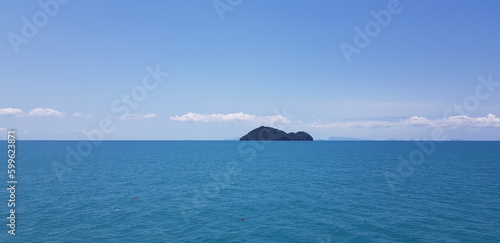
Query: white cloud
{"points": [[137, 116], [465, 121], [450, 122], [275, 119], [417, 121], [10, 111], [195, 117], [82, 115], [45, 112], [2, 129], [354, 124]]}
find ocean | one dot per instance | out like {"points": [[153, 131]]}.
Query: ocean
{"points": [[254, 191]]}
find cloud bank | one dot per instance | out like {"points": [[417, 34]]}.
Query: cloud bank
{"points": [[10, 111], [82, 115], [453, 122], [231, 117], [490, 121], [45, 112], [137, 116]]}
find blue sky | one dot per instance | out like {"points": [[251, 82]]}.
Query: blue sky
{"points": [[236, 67]]}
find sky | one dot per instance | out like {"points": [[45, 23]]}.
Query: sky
{"points": [[212, 70]]}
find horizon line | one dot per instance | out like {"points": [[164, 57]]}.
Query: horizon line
{"points": [[319, 140]]}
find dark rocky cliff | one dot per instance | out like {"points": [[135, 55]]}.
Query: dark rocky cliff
{"points": [[272, 134]]}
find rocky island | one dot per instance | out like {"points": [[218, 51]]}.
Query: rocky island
{"points": [[263, 133]]}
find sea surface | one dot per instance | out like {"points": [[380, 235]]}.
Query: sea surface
{"points": [[232, 191]]}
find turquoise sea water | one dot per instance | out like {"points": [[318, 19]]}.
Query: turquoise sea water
{"points": [[232, 191]]}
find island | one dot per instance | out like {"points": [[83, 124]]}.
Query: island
{"points": [[263, 133]]}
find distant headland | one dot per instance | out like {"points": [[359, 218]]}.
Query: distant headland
{"points": [[263, 133]]}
